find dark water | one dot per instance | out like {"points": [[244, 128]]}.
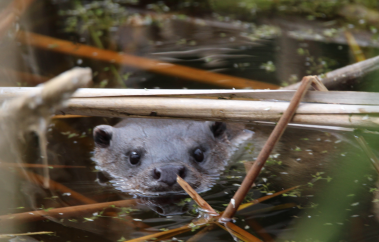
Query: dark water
{"points": [[336, 195]]}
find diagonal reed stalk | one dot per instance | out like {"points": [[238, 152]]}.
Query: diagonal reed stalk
{"points": [[266, 150], [234, 205]]}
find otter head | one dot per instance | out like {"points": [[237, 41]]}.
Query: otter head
{"points": [[144, 156]]}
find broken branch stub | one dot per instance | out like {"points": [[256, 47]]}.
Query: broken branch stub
{"points": [[32, 110], [44, 101]]}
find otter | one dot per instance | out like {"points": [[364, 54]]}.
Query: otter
{"points": [[144, 156]]}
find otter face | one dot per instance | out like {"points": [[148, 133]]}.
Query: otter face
{"points": [[144, 156]]}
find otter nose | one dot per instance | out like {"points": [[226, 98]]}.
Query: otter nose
{"points": [[167, 174]]}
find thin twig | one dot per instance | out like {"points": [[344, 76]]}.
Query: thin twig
{"points": [[37, 179], [67, 47], [195, 196], [201, 233], [260, 230], [3, 236], [168, 233], [238, 232], [270, 209], [68, 116], [62, 212], [266, 150], [261, 199], [345, 74], [202, 222]]}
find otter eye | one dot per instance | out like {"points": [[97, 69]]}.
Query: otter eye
{"points": [[198, 154], [134, 157]]}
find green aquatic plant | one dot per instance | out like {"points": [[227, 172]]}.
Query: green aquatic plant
{"points": [[98, 19], [97, 16], [268, 66]]}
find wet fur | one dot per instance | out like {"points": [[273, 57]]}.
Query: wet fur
{"points": [[165, 142]]}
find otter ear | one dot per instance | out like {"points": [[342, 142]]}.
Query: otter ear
{"points": [[218, 128], [102, 135]]}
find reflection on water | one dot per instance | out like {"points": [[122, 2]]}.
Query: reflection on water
{"points": [[196, 35]]}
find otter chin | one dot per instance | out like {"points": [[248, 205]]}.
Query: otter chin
{"points": [[144, 156]]}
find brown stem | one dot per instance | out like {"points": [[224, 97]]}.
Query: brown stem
{"points": [[37, 179], [69, 211], [238, 232], [260, 230], [195, 196], [201, 233], [266, 150], [164, 234], [65, 212], [68, 116], [202, 222], [261, 199], [68, 47]]}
